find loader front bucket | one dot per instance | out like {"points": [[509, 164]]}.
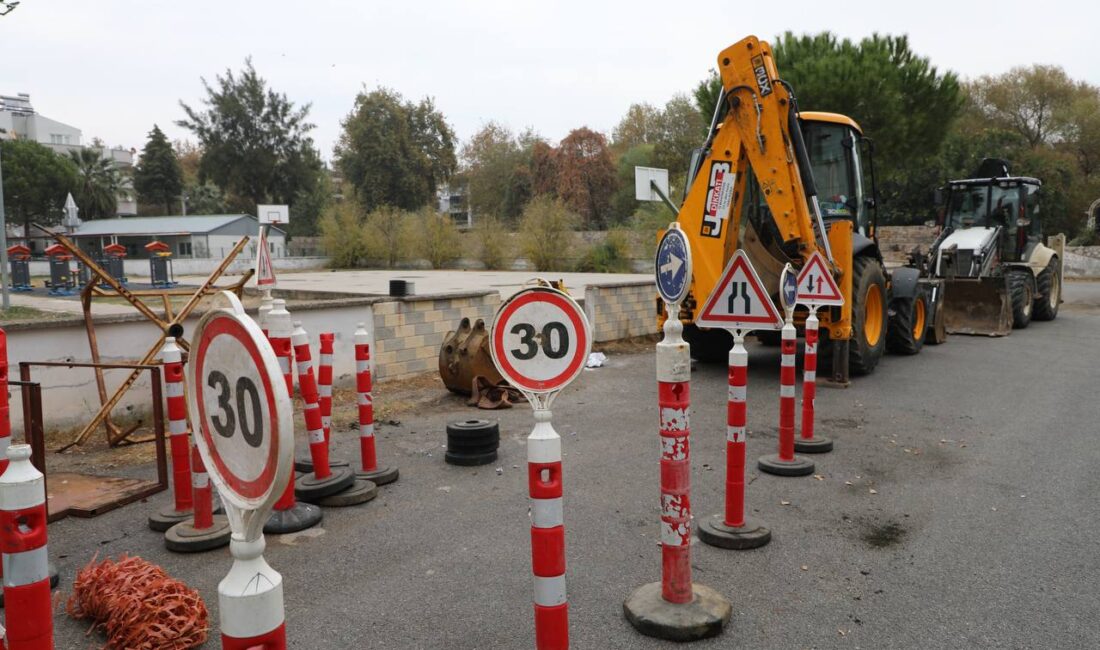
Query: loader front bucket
{"points": [[980, 307]]}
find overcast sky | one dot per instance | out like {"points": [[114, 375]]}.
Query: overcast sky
{"points": [[114, 67]]}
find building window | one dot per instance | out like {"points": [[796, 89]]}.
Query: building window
{"points": [[184, 248]]}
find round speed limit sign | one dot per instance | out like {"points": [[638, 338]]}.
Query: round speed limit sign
{"points": [[240, 409], [540, 340]]}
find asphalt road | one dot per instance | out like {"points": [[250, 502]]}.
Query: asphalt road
{"points": [[981, 530]]}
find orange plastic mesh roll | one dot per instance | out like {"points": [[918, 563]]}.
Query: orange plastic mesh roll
{"points": [[138, 606]]}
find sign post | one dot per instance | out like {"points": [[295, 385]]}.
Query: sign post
{"points": [[243, 416], [675, 608], [740, 304], [816, 289], [540, 341], [785, 463]]}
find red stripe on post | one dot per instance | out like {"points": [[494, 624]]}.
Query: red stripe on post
{"points": [[23, 530], [552, 627], [549, 487], [548, 551]]}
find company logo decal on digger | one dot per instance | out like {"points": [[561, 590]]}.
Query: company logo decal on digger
{"points": [[719, 196], [761, 72]]}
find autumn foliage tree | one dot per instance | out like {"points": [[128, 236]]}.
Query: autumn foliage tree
{"points": [[586, 176]]}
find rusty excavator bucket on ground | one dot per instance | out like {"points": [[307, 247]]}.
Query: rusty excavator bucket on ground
{"points": [[978, 306], [466, 367]]}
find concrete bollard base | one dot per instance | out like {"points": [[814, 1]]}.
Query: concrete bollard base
{"points": [[380, 476], [652, 615], [300, 517], [309, 488], [815, 445], [168, 516], [360, 492]]}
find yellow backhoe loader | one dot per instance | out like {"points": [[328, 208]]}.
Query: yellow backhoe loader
{"points": [[781, 185]]}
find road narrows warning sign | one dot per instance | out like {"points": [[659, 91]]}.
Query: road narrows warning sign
{"points": [[816, 285], [739, 300]]}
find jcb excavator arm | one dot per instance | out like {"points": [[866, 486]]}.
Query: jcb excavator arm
{"points": [[754, 124]]}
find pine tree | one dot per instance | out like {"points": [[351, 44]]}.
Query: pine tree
{"points": [[157, 177]]}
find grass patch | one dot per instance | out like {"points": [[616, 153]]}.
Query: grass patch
{"points": [[20, 314]]}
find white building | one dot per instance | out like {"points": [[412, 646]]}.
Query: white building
{"points": [[19, 120], [202, 236]]}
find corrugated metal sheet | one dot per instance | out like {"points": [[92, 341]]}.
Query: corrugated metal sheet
{"points": [[158, 225]]}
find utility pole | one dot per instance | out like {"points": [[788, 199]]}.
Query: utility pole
{"points": [[5, 281]]}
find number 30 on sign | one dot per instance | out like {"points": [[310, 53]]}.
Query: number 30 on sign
{"points": [[540, 340]]}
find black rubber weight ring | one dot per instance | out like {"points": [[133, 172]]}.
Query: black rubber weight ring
{"points": [[472, 427]]}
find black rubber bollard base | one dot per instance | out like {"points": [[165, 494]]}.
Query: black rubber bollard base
{"points": [[168, 516], [305, 464], [470, 460], [815, 445], [309, 488], [360, 492], [652, 615], [773, 465], [185, 538], [715, 532], [380, 476], [300, 517]]}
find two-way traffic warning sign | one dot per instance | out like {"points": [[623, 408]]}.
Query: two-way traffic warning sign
{"points": [[739, 300], [816, 286]]}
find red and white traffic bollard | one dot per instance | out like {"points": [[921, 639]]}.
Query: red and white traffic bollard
{"points": [[368, 455], [5, 407], [675, 608], [734, 529], [205, 531], [250, 608], [544, 480], [324, 480], [28, 609], [289, 514], [785, 463], [324, 384], [809, 442], [179, 438]]}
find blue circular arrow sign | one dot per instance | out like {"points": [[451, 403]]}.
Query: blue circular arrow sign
{"points": [[673, 265], [788, 289]]}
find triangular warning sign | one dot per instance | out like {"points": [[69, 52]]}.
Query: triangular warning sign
{"points": [[739, 300], [816, 285], [265, 273]]}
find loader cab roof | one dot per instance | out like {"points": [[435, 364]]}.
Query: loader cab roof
{"points": [[1008, 180], [834, 118]]}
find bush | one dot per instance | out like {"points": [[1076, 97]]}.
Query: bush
{"points": [[612, 255], [437, 238], [388, 235], [492, 240], [648, 220], [546, 232], [343, 234]]}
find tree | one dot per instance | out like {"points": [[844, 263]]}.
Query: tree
{"points": [[900, 100], [490, 159], [680, 128], [394, 152], [586, 176], [255, 142], [623, 203], [157, 177], [388, 235], [343, 233], [546, 233], [97, 184], [640, 125], [36, 181], [1032, 101], [437, 237], [205, 198], [706, 95], [1082, 130]]}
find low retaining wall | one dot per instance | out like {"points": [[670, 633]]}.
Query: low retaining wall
{"points": [[620, 311]]}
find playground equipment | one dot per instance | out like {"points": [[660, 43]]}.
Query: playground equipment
{"points": [[113, 261], [160, 265], [62, 282], [20, 257]]}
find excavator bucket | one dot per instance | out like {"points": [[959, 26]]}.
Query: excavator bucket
{"points": [[464, 357], [981, 307]]}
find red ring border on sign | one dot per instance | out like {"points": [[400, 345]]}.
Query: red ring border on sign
{"points": [[571, 311], [259, 486]]}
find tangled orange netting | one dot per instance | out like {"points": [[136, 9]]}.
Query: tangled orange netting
{"points": [[138, 605]]}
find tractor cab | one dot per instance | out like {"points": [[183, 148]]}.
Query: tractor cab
{"points": [[1006, 207], [843, 171]]}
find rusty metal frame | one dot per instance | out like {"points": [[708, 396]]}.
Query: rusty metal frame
{"points": [[170, 325], [34, 431]]}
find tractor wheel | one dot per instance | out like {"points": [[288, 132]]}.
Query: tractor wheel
{"points": [[708, 346], [1021, 289], [908, 324], [868, 316], [1049, 292]]}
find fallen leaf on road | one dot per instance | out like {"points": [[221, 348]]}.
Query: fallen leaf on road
{"points": [[805, 568], [847, 482], [819, 477], [873, 491], [784, 503]]}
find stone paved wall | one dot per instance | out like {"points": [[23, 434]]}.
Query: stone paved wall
{"points": [[621, 311], [408, 332]]}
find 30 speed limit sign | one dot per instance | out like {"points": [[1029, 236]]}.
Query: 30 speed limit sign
{"points": [[240, 409], [540, 340]]}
